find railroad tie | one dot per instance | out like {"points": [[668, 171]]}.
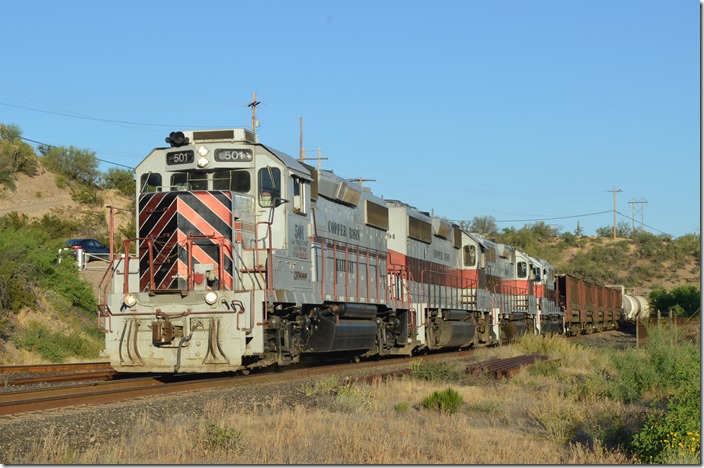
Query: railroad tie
{"points": [[500, 368]]}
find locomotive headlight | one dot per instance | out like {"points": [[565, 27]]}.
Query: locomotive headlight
{"points": [[203, 150], [129, 300], [211, 297], [202, 161]]}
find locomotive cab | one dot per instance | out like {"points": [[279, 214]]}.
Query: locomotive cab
{"points": [[212, 227]]}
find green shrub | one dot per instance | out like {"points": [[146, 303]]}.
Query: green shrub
{"points": [[447, 401], [29, 260], [55, 346], [672, 435], [666, 373], [402, 407], [86, 195], [681, 300], [434, 371], [213, 437], [323, 386], [121, 180], [544, 368], [79, 165]]}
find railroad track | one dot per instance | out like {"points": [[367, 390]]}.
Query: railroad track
{"points": [[24, 401], [52, 373]]}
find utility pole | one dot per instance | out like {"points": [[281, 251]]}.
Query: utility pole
{"points": [[301, 152], [254, 105], [615, 191], [360, 180], [642, 203], [310, 159]]}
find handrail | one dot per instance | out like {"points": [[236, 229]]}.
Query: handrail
{"points": [[458, 283], [335, 247], [268, 272]]}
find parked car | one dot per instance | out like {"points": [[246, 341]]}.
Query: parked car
{"points": [[92, 247]]}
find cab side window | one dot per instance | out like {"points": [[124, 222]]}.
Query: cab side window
{"points": [[269, 185], [150, 182], [299, 195], [470, 255]]}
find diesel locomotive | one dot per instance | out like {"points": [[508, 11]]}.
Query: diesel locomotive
{"points": [[246, 257]]}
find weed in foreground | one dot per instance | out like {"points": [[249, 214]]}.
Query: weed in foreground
{"points": [[322, 386], [350, 399], [434, 371], [214, 437], [447, 401], [402, 407]]}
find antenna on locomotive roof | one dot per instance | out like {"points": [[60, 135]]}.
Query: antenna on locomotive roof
{"points": [[253, 105]]}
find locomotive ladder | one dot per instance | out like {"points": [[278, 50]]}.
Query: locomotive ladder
{"points": [[401, 294]]}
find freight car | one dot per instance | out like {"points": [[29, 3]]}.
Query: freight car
{"points": [[246, 257]]}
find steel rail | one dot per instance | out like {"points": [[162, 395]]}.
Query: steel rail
{"points": [[50, 368], [53, 378]]}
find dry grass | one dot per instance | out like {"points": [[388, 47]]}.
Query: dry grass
{"points": [[382, 423]]}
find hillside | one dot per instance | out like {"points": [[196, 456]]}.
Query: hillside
{"points": [[637, 271], [40, 195], [627, 261]]}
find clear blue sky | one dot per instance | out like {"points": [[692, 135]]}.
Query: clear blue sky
{"points": [[523, 110]]}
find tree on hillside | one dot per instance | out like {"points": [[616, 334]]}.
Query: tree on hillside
{"points": [[15, 155], [484, 225], [683, 301], [79, 165], [623, 229], [121, 180]]}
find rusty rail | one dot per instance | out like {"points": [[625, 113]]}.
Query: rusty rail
{"points": [[500, 368], [56, 368], [54, 378]]}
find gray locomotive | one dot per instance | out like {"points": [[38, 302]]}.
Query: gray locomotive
{"points": [[247, 257]]}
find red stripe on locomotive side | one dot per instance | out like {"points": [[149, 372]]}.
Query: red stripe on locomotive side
{"points": [[539, 290], [512, 287], [433, 273]]}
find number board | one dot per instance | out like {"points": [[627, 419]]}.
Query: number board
{"points": [[179, 157], [233, 155]]}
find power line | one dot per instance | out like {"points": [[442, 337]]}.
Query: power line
{"points": [[53, 146], [98, 119], [553, 218], [649, 227]]}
